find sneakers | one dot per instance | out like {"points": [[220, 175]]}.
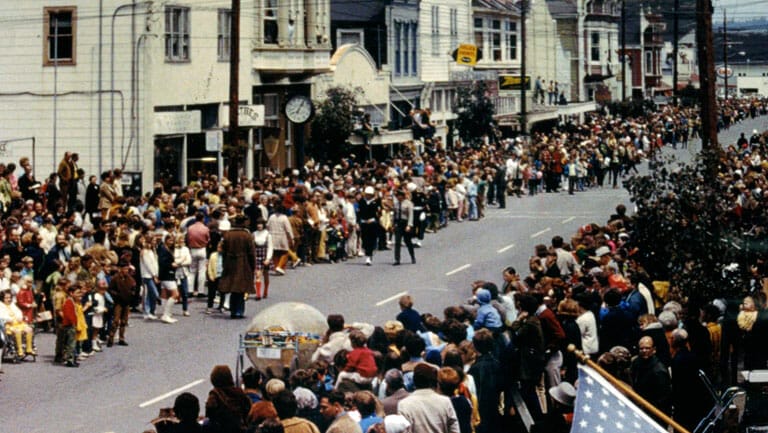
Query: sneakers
{"points": [[208, 311], [72, 364], [122, 343], [296, 263], [280, 271], [168, 319], [368, 261], [186, 314], [150, 316]]}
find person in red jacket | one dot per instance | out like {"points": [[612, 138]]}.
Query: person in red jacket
{"points": [[361, 363], [554, 338], [25, 300], [68, 326]]}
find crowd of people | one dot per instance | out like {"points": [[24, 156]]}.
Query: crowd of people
{"points": [[81, 258]]}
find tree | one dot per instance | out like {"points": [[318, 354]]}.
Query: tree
{"points": [[475, 113], [689, 229], [333, 122]]}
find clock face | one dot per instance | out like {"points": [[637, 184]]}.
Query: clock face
{"points": [[299, 109]]}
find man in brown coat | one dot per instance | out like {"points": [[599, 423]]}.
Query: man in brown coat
{"points": [[121, 288], [239, 263]]}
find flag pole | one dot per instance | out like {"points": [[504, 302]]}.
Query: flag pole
{"points": [[626, 390]]}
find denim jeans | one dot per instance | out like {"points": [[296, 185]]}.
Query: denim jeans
{"points": [[184, 292], [151, 296]]}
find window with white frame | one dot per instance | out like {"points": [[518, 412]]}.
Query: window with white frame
{"points": [[60, 44], [405, 48], [224, 34], [454, 28], [176, 33], [510, 38], [269, 17], [595, 47], [497, 38], [435, 30]]}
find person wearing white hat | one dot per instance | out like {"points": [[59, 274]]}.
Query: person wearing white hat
{"points": [[368, 219]]}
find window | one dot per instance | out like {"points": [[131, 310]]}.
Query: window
{"points": [[454, 28], [648, 62], [270, 21], [349, 36], [510, 39], [60, 30], [496, 52], [414, 47], [595, 49], [406, 50], [398, 48], [225, 34], [176, 33], [479, 33], [435, 30]]}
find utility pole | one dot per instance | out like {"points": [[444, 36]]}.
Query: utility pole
{"points": [[706, 56], [623, 50], [523, 108], [234, 93], [675, 51], [725, 54]]}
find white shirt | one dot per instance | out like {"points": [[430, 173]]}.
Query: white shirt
{"points": [[588, 327], [149, 266]]}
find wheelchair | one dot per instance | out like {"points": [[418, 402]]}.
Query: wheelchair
{"points": [[10, 350]]}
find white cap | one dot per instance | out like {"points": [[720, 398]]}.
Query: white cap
{"points": [[369, 190]]}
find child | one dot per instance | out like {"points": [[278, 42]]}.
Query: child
{"points": [[215, 268], [361, 364], [99, 309], [487, 315], [25, 300], [334, 238], [81, 326], [68, 328]]}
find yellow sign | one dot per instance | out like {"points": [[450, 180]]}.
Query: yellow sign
{"points": [[466, 55], [513, 82]]}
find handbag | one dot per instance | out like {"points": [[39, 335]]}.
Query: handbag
{"points": [[43, 316]]}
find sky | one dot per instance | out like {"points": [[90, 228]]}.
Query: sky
{"points": [[741, 10]]}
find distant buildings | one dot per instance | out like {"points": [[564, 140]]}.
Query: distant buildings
{"points": [[144, 86]]}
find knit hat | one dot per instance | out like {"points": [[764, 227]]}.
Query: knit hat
{"points": [[483, 296], [305, 399]]}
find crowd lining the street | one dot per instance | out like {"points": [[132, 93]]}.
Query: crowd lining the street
{"points": [[78, 257]]}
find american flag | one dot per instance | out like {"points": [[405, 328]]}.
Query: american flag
{"points": [[601, 408]]}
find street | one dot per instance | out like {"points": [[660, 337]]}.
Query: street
{"points": [[121, 389]]}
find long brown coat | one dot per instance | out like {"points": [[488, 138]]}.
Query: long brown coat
{"points": [[239, 261]]}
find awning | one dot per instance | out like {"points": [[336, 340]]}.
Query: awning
{"points": [[596, 78]]}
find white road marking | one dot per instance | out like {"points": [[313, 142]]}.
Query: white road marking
{"points": [[508, 247], [168, 394], [539, 233], [457, 270], [437, 289], [567, 220], [391, 298]]}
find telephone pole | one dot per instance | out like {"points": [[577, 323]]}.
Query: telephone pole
{"points": [[706, 55], [725, 54], [523, 108], [675, 51], [234, 86], [623, 50]]}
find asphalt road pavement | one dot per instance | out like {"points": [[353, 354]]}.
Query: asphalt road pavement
{"points": [[122, 388]]}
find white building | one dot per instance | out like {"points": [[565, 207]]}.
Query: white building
{"points": [[138, 86]]}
